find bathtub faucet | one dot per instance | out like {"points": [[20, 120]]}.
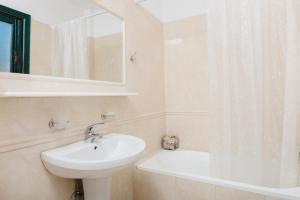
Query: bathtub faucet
{"points": [[90, 133]]}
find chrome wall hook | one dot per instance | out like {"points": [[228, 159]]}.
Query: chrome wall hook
{"points": [[133, 57]]}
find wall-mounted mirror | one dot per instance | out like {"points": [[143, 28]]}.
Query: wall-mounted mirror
{"points": [[68, 38]]}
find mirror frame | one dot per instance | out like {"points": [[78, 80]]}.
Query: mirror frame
{"points": [[101, 84]]}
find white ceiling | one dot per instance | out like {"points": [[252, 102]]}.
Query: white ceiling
{"points": [[171, 10], [56, 11], [105, 24], [53, 11]]}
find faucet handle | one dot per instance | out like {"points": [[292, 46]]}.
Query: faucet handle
{"points": [[90, 133], [90, 130]]}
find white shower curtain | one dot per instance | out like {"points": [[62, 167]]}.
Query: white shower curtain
{"points": [[254, 57], [70, 45]]}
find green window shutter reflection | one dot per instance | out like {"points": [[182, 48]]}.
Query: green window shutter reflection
{"points": [[6, 36], [14, 41]]}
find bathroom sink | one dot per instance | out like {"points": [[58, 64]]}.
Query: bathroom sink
{"points": [[94, 162]]}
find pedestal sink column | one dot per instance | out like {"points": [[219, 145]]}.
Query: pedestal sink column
{"points": [[97, 189]]}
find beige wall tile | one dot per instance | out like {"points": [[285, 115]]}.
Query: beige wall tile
{"points": [[192, 190], [23, 175], [24, 117], [122, 185], [186, 65], [186, 81], [152, 186], [151, 130], [40, 48], [106, 58], [192, 129]]}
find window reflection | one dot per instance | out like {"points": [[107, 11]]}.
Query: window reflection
{"points": [[5, 46]]}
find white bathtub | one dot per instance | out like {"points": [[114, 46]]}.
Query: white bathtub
{"points": [[194, 166]]}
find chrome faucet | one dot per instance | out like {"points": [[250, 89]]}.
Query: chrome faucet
{"points": [[90, 133]]}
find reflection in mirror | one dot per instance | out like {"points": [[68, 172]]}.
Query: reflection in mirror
{"points": [[14, 40], [5, 46], [71, 39]]}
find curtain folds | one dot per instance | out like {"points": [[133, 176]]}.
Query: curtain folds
{"points": [[70, 56], [254, 57]]}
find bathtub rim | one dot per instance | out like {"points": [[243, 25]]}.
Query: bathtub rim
{"points": [[282, 193]]}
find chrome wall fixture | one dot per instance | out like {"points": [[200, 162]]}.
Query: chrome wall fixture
{"points": [[108, 115], [133, 57], [56, 125]]}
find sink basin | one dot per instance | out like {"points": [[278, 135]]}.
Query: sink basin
{"points": [[94, 162]]}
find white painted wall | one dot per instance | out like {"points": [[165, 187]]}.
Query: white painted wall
{"points": [[172, 10], [178, 9], [152, 6]]}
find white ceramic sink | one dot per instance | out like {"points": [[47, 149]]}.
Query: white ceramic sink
{"points": [[94, 162]]}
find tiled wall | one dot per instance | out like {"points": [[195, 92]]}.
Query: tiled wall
{"points": [[40, 48], [186, 72], [187, 81], [107, 52], [24, 131], [23, 175], [149, 186]]}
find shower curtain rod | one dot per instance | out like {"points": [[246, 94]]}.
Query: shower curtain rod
{"points": [[104, 12], [84, 17]]}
